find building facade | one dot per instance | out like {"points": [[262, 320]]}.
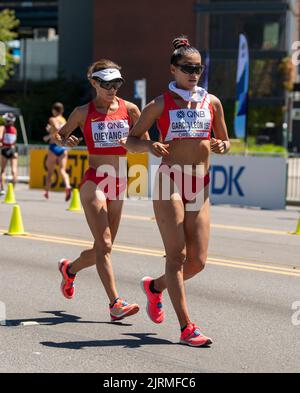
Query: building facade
{"points": [[138, 35], [271, 27], [36, 49], [36, 17]]}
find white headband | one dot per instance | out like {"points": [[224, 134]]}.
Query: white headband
{"points": [[108, 74]]}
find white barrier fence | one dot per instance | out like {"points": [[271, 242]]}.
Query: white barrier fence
{"points": [[293, 180], [232, 176]]}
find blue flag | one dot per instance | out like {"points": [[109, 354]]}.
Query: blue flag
{"points": [[205, 75], [242, 85]]}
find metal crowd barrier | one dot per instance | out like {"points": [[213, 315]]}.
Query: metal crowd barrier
{"points": [[293, 180]]}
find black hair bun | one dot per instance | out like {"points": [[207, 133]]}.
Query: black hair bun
{"points": [[180, 42]]}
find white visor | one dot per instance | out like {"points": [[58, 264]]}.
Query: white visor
{"points": [[108, 74], [9, 117]]}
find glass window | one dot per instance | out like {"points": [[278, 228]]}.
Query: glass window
{"points": [[265, 78], [264, 31]]}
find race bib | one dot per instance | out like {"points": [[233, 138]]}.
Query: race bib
{"points": [[107, 133], [9, 139], [189, 123]]}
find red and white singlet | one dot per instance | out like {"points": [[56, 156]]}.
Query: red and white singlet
{"points": [[183, 123], [10, 136], [102, 131]]}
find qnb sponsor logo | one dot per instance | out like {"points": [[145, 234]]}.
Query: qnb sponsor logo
{"points": [[101, 126], [111, 125], [296, 315], [2, 314], [115, 125], [2, 54], [191, 114], [180, 114], [195, 114]]}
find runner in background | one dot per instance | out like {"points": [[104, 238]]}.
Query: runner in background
{"points": [[186, 115], [9, 150], [57, 155], [104, 121]]}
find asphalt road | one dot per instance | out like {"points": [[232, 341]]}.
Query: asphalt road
{"points": [[243, 299]]}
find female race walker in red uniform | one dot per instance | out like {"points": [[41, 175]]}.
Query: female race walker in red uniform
{"points": [[104, 121], [185, 116], [9, 151]]}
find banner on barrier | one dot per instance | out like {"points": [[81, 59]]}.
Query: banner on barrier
{"points": [[78, 164], [234, 180], [248, 181], [76, 167]]}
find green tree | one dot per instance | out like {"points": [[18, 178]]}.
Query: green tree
{"points": [[8, 23]]}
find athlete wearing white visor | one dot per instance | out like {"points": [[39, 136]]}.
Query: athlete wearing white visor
{"points": [[98, 120], [108, 78]]}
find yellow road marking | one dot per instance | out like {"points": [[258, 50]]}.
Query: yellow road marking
{"points": [[160, 254], [138, 218], [254, 268], [254, 264], [249, 229], [218, 226]]}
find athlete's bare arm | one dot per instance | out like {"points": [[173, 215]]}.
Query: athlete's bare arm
{"points": [[52, 126], [135, 114], [75, 120], [1, 134], [135, 144], [220, 144]]}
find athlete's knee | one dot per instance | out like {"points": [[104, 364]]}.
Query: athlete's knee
{"points": [[175, 259], [103, 247], [195, 265], [63, 172]]}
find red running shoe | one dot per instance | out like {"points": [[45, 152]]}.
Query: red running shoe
{"points": [[122, 309], [191, 336], [67, 285], [154, 304]]}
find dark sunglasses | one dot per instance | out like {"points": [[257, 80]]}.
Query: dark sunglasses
{"points": [[191, 69], [115, 83]]}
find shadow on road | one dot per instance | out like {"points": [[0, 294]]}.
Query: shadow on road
{"points": [[60, 317], [143, 339]]}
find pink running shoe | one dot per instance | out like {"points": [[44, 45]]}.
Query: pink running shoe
{"points": [[191, 336], [154, 305], [122, 309], [67, 284]]}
